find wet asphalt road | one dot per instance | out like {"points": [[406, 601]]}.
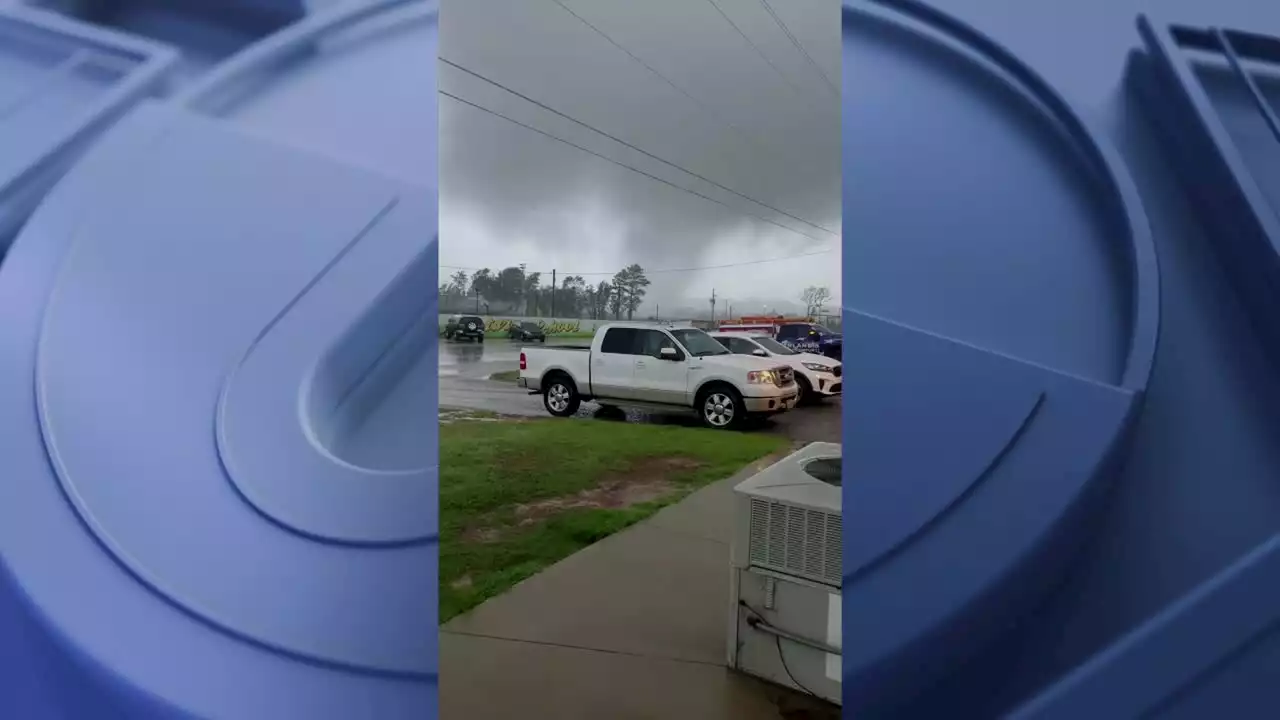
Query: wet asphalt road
{"points": [[465, 368]]}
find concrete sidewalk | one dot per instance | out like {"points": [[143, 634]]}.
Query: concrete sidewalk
{"points": [[631, 628]]}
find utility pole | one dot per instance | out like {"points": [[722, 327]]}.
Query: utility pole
{"points": [[713, 306], [524, 298], [477, 291], [553, 293]]}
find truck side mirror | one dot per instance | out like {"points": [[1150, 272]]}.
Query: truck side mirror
{"points": [[668, 353], [759, 353]]}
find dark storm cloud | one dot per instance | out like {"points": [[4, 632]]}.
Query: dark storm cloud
{"points": [[523, 186], [746, 128]]}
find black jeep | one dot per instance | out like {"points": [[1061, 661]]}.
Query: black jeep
{"points": [[465, 327]]}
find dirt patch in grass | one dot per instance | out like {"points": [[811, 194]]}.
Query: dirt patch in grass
{"points": [[646, 480], [481, 535]]}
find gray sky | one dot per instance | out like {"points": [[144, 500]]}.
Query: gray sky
{"points": [[720, 142]]}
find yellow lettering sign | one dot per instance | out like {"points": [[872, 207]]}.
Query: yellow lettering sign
{"points": [[501, 326]]}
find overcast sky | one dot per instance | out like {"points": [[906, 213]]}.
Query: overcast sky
{"points": [[719, 132]]}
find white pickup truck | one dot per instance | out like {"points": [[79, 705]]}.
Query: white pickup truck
{"points": [[658, 368]]}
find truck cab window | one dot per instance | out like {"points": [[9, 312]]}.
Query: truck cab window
{"points": [[737, 346], [652, 341], [619, 341]]}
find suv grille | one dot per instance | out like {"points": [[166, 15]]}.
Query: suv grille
{"points": [[837, 370]]}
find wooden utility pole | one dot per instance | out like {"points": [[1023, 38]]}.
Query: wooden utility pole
{"points": [[713, 305], [524, 297], [553, 293]]}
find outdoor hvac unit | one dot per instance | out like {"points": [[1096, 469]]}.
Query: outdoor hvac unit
{"points": [[786, 573]]}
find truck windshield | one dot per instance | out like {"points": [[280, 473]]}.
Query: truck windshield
{"points": [[773, 346], [698, 343]]}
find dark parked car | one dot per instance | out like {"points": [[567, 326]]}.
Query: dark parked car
{"points": [[527, 332], [466, 327], [811, 338]]}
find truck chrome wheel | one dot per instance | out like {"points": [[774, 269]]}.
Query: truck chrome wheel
{"points": [[718, 409], [558, 397]]}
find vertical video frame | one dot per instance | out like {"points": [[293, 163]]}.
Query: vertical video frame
{"points": [[218, 400], [640, 359]]}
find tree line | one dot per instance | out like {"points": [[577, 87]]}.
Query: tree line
{"points": [[518, 291]]}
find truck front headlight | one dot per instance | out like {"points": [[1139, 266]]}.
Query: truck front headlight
{"points": [[762, 377]]}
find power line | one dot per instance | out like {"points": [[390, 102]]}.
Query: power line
{"points": [[769, 8], [756, 47], [622, 142], [659, 271], [701, 105], [629, 167]]}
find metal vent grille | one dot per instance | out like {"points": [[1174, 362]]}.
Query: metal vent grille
{"points": [[795, 540]]}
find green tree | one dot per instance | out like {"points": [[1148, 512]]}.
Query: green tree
{"points": [[459, 281], [530, 293], [570, 297], [613, 300], [631, 282], [507, 286], [814, 297], [599, 299], [481, 283], [454, 292]]}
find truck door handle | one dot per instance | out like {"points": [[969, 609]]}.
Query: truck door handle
{"points": [[640, 363]]}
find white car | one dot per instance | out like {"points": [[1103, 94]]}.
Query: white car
{"points": [[817, 376], [658, 368]]}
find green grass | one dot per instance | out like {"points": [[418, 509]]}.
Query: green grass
{"points": [[487, 469], [452, 414], [506, 376]]}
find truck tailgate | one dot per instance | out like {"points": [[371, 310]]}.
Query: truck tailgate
{"points": [[537, 361]]}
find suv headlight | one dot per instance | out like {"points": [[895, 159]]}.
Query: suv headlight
{"points": [[762, 377], [817, 367]]}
